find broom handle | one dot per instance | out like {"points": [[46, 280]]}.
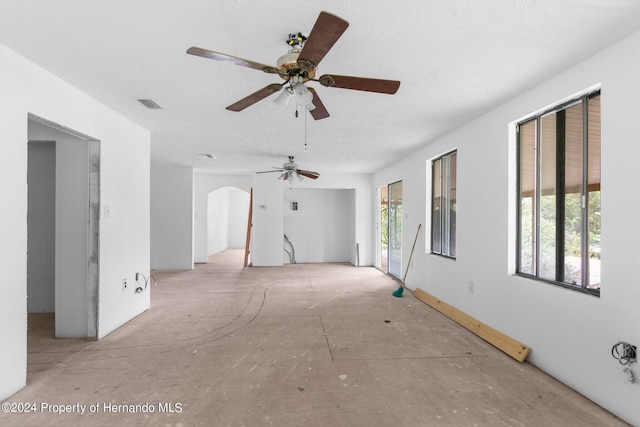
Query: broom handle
{"points": [[411, 254]]}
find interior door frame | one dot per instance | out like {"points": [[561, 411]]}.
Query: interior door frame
{"points": [[93, 226]]}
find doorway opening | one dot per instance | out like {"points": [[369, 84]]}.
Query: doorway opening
{"points": [[63, 181], [227, 210]]}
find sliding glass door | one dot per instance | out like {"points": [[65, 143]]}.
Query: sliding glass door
{"points": [[394, 246]]}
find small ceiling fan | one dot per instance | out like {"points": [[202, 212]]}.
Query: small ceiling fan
{"points": [[298, 66], [290, 169]]}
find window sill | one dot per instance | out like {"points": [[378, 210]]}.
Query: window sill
{"points": [[593, 292]]}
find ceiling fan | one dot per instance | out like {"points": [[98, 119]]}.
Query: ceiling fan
{"points": [[298, 66], [290, 169]]}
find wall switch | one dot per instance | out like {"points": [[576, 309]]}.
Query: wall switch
{"points": [[124, 284]]}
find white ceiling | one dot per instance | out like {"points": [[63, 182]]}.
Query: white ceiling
{"points": [[455, 58]]}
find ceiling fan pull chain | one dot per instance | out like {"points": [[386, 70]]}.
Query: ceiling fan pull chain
{"points": [[305, 128]]}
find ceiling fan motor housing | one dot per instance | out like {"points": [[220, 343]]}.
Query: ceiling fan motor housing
{"points": [[289, 66], [290, 165]]}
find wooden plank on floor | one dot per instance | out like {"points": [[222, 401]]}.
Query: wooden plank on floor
{"points": [[249, 223], [494, 337]]}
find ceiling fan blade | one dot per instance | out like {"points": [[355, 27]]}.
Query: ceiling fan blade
{"points": [[284, 176], [324, 34], [360, 83], [198, 51], [320, 112], [308, 174], [255, 97], [278, 170]]}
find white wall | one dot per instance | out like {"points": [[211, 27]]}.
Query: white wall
{"points": [[204, 184], [267, 235], [267, 232], [363, 213], [72, 218], [41, 268], [124, 186], [172, 218], [570, 333], [323, 227]]}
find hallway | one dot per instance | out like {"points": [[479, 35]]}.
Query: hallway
{"points": [[300, 345]]}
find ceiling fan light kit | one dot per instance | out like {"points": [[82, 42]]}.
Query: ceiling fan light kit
{"points": [[299, 66], [284, 98], [296, 89], [303, 96]]}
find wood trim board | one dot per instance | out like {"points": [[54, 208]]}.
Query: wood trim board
{"points": [[249, 224], [494, 337]]}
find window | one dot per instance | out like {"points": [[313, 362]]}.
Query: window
{"points": [[559, 195], [443, 206]]}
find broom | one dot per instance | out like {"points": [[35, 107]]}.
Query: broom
{"points": [[398, 292]]}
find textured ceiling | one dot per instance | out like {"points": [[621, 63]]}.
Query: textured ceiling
{"points": [[456, 59]]}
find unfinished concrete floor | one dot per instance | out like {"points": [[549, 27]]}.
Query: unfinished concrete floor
{"points": [[301, 345]]}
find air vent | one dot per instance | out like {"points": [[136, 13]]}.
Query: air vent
{"points": [[208, 156], [149, 103]]}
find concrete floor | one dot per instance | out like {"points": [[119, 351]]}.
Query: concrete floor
{"points": [[300, 345]]}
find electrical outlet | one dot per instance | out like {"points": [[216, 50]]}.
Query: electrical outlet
{"points": [[124, 284]]}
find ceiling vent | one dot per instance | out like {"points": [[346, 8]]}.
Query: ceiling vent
{"points": [[150, 103], [208, 156]]}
